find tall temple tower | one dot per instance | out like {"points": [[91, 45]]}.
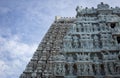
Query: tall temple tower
{"points": [[85, 46]]}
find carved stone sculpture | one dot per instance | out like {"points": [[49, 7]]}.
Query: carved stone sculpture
{"points": [[88, 44], [68, 42], [75, 42], [78, 57], [111, 68], [70, 58], [96, 59], [74, 27], [59, 57]]}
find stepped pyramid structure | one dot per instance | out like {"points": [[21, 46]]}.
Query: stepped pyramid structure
{"points": [[85, 46]]}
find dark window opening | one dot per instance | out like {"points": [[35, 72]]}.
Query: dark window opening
{"points": [[119, 57], [93, 66], [66, 68], [62, 22], [75, 69], [102, 69], [82, 30], [112, 25], [118, 39], [77, 30]]}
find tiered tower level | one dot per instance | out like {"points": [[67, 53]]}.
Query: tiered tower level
{"points": [[85, 46]]}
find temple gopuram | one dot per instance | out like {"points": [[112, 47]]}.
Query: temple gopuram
{"points": [[84, 46]]}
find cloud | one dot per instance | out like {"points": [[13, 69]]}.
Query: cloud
{"points": [[14, 56], [4, 10], [23, 24]]}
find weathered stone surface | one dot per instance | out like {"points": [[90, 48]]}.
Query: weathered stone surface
{"points": [[87, 45]]}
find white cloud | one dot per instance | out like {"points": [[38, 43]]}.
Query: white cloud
{"points": [[37, 17], [14, 56], [3, 68]]}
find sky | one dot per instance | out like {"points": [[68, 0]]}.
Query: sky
{"points": [[23, 24]]}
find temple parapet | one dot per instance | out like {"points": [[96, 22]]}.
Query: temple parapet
{"points": [[103, 6], [60, 19], [101, 9]]}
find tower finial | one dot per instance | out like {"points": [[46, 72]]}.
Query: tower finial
{"points": [[102, 3]]}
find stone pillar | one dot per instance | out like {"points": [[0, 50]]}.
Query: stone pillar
{"points": [[86, 69], [70, 69], [91, 69], [82, 69], [55, 68], [111, 68], [79, 27], [91, 28], [91, 43], [106, 68], [79, 69], [97, 69], [74, 27], [63, 68]]}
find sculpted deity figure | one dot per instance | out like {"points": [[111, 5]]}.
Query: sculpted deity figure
{"points": [[114, 56], [78, 10], [79, 70], [97, 69], [56, 57], [76, 42], [96, 59], [95, 27], [102, 26], [82, 69], [70, 58], [79, 27], [111, 67], [70, 68], [59, 57], [60, 70], [118, 68], [96, 41], [82, 56], [86, 68], [78, 56], [110, 56], [106, 68], [74, 27], [106, 55], [68, 41], [87, 56], [90, 69], [96, 37]]}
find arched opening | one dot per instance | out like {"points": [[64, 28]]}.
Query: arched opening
{"points": [[113, 25], [94, 71], [119, 57], [117, 70], [118, 39], [102, 69], [75, 69], [66, 69]]}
